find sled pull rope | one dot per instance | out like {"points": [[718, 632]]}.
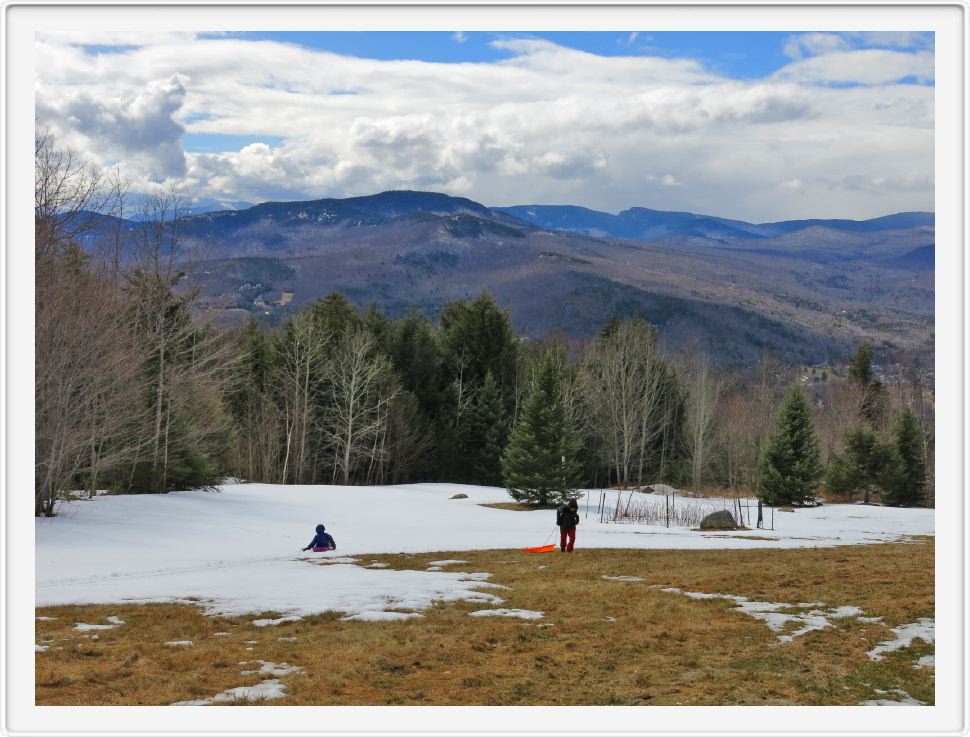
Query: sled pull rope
{"points": [[550, 536]]}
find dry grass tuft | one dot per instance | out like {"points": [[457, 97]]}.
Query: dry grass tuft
{"points": [[601, 641]]}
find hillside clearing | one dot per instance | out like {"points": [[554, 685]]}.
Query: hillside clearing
{"points": [[608, 634]]}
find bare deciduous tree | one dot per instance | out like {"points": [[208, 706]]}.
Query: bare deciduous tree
{"points": [[703, 389], [360, 387], [621, 378], [87, 381], [301, 351]]}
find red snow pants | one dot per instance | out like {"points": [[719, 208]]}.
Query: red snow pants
{"points": [[564, 535]]}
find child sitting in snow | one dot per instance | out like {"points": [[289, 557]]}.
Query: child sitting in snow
{"points": [[322, 542]]}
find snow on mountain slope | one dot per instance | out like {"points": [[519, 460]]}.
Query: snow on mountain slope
{"points": [[238, 550]]}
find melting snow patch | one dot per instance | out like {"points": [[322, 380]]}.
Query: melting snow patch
{"points": [[609, 618], [40, 648], [281, 620], [286, 639], [267, 668], [377, 564], [520, 613], [845, 611], [927, 661], [904, 700], [770, 613], [381, 616], [82, 627], [446, 562], [220, 634], [178, 643], [924, 629], [622, 578], [115, 621], [478, 576], [45, 619], [271, 689], [343, 559]]}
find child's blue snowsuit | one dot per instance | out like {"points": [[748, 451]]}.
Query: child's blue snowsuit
{"points": [[322, 541]]}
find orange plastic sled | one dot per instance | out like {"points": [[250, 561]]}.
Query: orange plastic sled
{"points": [[541, 549]]}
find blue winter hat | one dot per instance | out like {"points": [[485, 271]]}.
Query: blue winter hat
{"points": [[321, 528]]}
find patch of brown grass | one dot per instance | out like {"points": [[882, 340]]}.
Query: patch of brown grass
{"points": [[601, 641], [519, 506]]}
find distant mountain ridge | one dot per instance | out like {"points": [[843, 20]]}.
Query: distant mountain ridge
{"points": [[641, 223], [809, 288], [634, 223]]}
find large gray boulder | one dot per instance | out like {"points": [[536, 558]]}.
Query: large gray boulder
{"points": [[722, 520]]}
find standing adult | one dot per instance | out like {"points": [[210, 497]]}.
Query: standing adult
{"points": [[567, 517]]}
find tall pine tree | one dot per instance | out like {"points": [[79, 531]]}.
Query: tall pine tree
{"points": [[866, 464], [907, 486], [788, 469], [486, 435], [541, 462]]}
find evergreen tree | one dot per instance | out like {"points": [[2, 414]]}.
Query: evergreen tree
{"points": [[541, 462], [865, 465], [788, 469], [907, 487], [335, 316], [610, 328], [478, 338], [486, 435], [860, 373], [860, 365], [416, 357], [475, 338]]}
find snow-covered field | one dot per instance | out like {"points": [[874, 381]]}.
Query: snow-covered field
{"points": [[238, 551]]}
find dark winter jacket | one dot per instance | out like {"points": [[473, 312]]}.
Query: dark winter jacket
{"points": [[321, 540], [567, 516]]}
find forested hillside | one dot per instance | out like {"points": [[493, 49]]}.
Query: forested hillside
{"points": [[139, 391]]}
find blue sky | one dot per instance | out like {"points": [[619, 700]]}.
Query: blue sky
{"points": [[743, 55], [757, 125]]}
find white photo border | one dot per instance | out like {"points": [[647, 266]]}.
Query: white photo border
{"points": [[948, 20]]}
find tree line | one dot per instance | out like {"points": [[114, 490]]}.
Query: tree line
{"points": [[136, 393]]}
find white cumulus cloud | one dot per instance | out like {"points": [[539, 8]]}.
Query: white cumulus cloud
{"points": [[544, 124]]}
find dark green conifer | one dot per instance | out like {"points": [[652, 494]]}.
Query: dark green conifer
{"points": [[541, 462], [866, 464], [907, 488], [486, 434], [788, 469]]}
